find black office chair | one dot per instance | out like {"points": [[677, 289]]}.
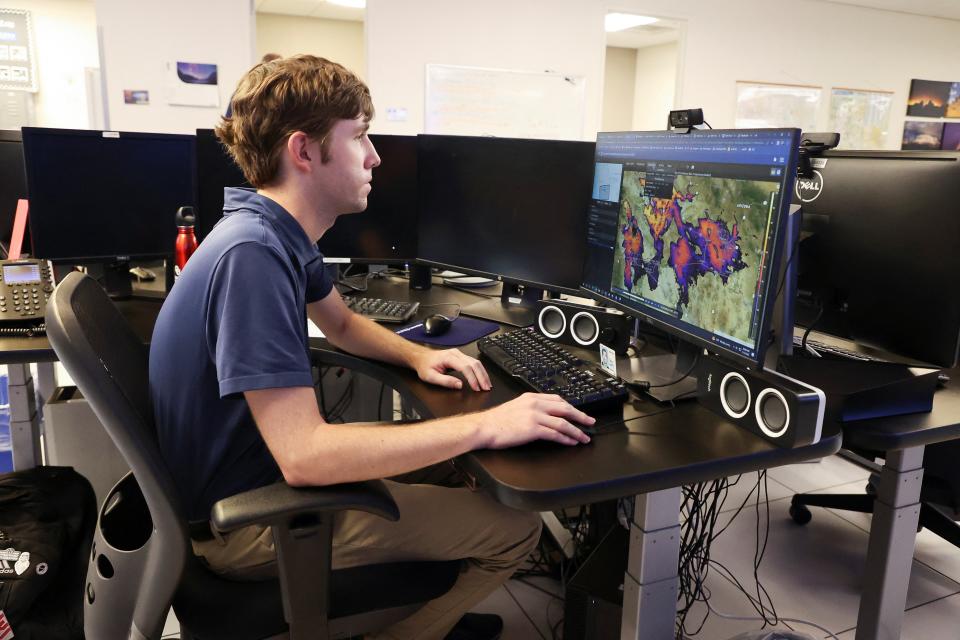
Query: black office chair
{"points": [[141, 562], [939, 493]]}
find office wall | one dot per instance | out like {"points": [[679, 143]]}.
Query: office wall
{"points": [[534, 35], [790, 41], [656, 84], [139, 38], [338, 40], [65, 33], [804, 42], [619, 79]]}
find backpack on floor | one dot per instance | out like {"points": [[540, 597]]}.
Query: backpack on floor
{"points": [[47, 519]]}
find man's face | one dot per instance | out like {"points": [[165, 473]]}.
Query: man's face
{"points": [[343, 182]]}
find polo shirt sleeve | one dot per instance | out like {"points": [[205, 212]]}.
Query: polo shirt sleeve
{"points": [[254, 322], [319, 282]]}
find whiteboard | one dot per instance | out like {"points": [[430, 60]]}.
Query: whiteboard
{"points": [[505, 103]]}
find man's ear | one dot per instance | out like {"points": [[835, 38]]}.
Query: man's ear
{"points": [[298, 150]]}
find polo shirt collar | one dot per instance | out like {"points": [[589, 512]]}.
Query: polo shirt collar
{"points": [[289, 230]]}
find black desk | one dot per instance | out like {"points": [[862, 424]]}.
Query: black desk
{"points": [[893, 529], [659, 451]]}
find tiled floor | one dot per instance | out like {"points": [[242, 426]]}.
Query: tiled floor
{"points": [[812, 573]]}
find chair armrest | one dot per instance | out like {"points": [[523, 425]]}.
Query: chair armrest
{"points": [[278, 502]]}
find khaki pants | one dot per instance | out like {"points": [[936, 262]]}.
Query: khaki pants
{"points": [[436, 523]]}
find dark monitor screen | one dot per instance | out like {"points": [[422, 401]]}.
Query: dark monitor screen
{"points": [[386, 232], [880, 251], [13, 184], [504, 207], [686, 231], [215, 170], [102, 195]]}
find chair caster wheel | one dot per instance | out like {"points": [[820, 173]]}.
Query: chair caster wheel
{"points": [[800, 514]]}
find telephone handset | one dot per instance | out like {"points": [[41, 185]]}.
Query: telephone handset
{"points": [[25, 288]]}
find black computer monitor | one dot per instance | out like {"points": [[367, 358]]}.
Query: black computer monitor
{"points": [[385, 233], [13, 185], [686, 232], [106, 196], [880, 251], [215, 170], [506, 208]]}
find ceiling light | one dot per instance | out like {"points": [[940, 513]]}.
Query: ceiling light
{"points": [[620, 21], [353, 4]]}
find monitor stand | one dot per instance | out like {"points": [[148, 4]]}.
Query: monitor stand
{"points": [[661, 369], [516, 306], [116, 278]]}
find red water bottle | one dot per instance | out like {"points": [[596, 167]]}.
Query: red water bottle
{"points": [[186, 240]]}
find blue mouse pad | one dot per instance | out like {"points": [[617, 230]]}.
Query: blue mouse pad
{"points": [[463, 331]]}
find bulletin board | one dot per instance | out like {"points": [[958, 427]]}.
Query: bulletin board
{"points": [[504, 103]]}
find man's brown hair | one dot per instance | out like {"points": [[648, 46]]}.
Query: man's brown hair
{"points": [[277, 98]]}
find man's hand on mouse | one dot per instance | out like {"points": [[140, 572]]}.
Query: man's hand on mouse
{"points": [[432, 367], [532, 416]]}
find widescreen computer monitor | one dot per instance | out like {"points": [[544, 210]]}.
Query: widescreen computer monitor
{"points": [[686, 232], [384, 233], [106, 196], [511, 209], [13, 185], [215, 170], [880, 251]]}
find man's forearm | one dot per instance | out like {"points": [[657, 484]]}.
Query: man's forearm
{"points": [[367, 339]]}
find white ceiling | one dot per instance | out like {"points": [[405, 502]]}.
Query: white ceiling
{"points": [[310, 9], [660, 32], [949, 9]]}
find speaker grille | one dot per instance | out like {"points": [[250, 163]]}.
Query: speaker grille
{"points": [[552, 322], [584, 328], [772, 412], [735, 395]]}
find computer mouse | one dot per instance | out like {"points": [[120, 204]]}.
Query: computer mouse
{"points": [[436, 325]]}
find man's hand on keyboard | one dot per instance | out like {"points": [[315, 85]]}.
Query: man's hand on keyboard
{"points": [[532, 416], [432, 367]]}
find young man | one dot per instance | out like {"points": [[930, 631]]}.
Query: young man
{"points": [[230, 373]]}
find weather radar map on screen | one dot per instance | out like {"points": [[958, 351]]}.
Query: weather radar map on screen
{"points": [[684, 228], [693, 235]]}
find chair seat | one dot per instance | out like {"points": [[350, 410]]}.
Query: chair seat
{"points": [[211, 607]]}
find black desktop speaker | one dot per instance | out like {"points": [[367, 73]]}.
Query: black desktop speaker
{"points": [[582, 325], [784, 411]]}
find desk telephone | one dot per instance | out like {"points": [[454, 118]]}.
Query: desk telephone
{"points": [[25, 287]]}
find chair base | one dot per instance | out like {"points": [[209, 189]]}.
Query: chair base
{"points": [[932, 517]]}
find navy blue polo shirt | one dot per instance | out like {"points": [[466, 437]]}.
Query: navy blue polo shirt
{"points": [[235, 321]]}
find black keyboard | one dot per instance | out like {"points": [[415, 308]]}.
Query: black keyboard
{"points": [[382, 310], [546, 367]]}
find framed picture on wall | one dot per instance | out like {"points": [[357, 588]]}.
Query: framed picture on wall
{"points": [[921, 136], [928, 98], [860, 116], [765, 104], [953, 101], [951, 137]]}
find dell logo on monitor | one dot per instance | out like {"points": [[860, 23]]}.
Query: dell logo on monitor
{"points": [[809, 189]]}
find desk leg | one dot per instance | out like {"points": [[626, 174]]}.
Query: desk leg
{"points": [[24, 421], [893, 533], [650, 584]]}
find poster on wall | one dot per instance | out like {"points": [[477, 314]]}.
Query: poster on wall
{"points": [[192, 84], [951, 137], [18, 67], [928, 98], [860, 117], [764, 104], [136, 96], [921, 136], [953, 101]]}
